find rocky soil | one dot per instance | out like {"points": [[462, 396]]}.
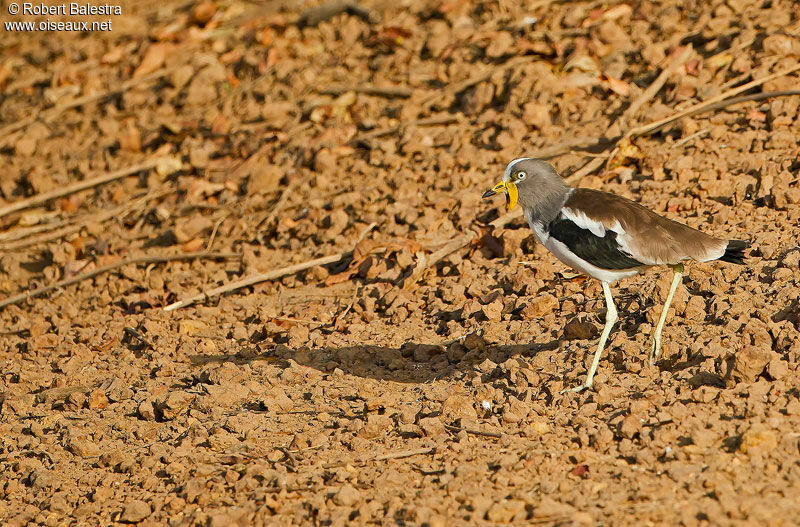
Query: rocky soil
{"points": [[390, 388]]}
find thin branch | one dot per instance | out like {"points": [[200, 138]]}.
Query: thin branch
{"points": [[53, 112], [474, 431], [427, 121], [112, 267], [314, 15], [77, 187], [255, 279], [587, 169], [405, 453], [710, 104], [687, 139], [678, 60], [368, 89], [458, 87], [24, 240]]}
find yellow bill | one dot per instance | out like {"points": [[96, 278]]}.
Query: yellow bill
{"points": [[510, 190]]}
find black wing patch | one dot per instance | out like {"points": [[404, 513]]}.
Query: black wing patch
{"points": [[604, 252]]}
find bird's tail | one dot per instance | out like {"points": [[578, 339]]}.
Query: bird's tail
{"points": [[734, 252]]}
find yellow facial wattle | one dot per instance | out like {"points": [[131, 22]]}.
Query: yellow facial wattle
{"points": [[511, 195]]}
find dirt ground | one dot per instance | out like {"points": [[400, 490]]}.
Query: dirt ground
{"points": [[390, 388]]}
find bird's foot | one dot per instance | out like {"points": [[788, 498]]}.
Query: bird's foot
{"points": [[577, 389]]}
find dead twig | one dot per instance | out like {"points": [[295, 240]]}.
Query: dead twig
{"points": [[314, 15], [79, 224], [214, 232], [687, 139], [405, 453], [53, 112], [256, 279], [465, 239], [287, 191], [368, 89], [679, 58], [112, 267], [299, 321], [383, 457], [710, 104], [458, 87], [474, 431], [77, 187], [428, 121], [585, 170]]}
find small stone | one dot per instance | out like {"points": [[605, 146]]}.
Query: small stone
{"points": [[135, 511], [793, 407], [580, 330], [506, 511], [376, 426], [486, 366], [758, 439], [473, 341], [97, 399], [630, 426], [424, 352], [458, 406], [540, 427], [455, 352], [147, 411], [278, 401], [346, 496], [409, 430], [204, 12], [83, 447], [750, 362], [540, 306], [696, 309], [75, 401], [777, 368], [432, 426], [324, 161], [175, 404], [493, 311]]}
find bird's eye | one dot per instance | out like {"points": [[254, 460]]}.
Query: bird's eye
{"points": [[521, 176]]}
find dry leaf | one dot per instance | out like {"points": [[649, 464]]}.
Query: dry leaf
{"points": [[618, 86], [76, 267], [153, 59], [719, 61], [617, 12], [204, 12], [200, 188], [627, 152], [193, 245], [71, 203]]}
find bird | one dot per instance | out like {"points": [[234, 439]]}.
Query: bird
{"points": [[606, 237]]}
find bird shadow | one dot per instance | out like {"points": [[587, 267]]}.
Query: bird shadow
{"points": [[411, 363]]}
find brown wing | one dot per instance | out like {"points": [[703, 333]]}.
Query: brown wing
{"points": [[646, 236]]}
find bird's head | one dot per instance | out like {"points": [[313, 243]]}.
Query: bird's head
{"points": [[527, 181]]}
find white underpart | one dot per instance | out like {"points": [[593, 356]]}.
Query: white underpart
{"points": [[568, 257], [507, 174]]}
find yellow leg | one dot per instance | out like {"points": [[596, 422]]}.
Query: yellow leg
{"points": [[677, 271], [611, 318]]}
